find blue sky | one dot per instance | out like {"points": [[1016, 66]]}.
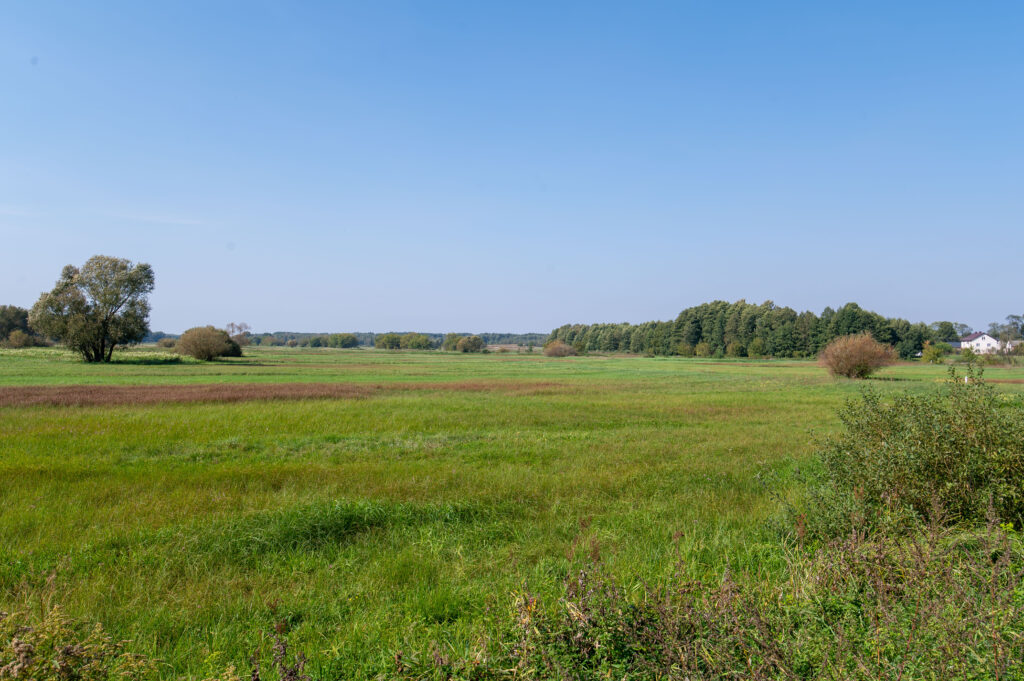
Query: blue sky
{"points": [[515, 166]]}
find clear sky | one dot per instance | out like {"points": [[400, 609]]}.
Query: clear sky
{"points": [[512, 166]]}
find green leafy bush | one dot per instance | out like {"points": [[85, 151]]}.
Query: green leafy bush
{"points": [[471, 344], [955, 454], [934, 606], [388, 341]]}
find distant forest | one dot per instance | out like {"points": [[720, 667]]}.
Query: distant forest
{"points": [[304, 339], [742, 329]]}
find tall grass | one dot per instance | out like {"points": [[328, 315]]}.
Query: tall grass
{"points": [[373, 525]]}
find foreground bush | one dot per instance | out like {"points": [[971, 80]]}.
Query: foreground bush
{"points": [[557, 348], [937, 606], [856, 356], [207, 343], [58, 648], [955, 454]]}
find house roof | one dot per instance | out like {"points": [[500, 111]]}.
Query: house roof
{"points": [[974, 336]]}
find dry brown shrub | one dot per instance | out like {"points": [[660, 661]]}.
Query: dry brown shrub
{"points": [[856, 356], [206, 343], [558, 348]]}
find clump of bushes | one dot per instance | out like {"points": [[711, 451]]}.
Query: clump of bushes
{"points": [[924, 607], [935, 353], [167, 342], [207, 343], [955, 455], [18, 339], [471, 344], [557, 348], [343, 340], [415, 341], [388, 341], [856, 356]]}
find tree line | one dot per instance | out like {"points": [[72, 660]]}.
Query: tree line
{"points": [[742, 329]]}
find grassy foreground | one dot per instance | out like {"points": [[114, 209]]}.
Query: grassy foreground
{"points": [[387, 521]]}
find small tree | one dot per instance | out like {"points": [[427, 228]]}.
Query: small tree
{"points": [[756, 348], [416, 341], [207, 343], [471, 344], [96, 308], [935, 353], [13, 318], [343, 340], [239, 332], [856, 356], [451, 340], [735, 349], [388, 341]]}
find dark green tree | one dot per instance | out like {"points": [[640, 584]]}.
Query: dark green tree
{"points": [[388, 341], [13, 318], [97, 307]]}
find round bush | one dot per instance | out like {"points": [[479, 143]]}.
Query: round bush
{"points": [[207, 343], [471, 344], [557, 348], [856, 356]]}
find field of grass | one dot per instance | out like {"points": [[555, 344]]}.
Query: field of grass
{"points": [[405, 513]]}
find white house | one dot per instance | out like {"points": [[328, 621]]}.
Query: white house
{"points": [[982, 343]]}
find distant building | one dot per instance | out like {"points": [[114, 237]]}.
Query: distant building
{"points": [[982, 343]]}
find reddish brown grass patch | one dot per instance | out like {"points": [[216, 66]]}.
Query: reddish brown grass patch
{"points": [[116, 395], [103, 395]]}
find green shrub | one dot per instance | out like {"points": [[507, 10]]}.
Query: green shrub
{"points": [[684, 349], [856, 356], [343, 340], [952, 456], [471, 344], [934, 606], [756, 348], [388, 341], [935, 353], [415, 341], [702, 349], [19, 339], [735, 349]]}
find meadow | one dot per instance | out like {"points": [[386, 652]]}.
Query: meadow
{"points": [[405, 505]]}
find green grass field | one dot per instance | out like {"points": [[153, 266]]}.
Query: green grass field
{"points": [[389, 521]]}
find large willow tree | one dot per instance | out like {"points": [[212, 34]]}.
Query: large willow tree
{"points": [[94, 309]]}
